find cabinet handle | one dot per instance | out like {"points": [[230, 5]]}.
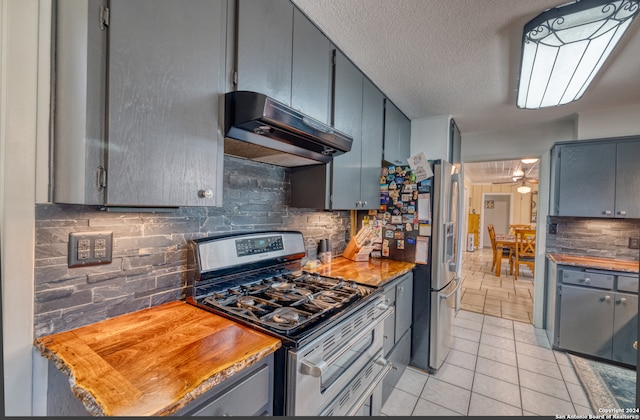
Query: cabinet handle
{"points": [[607, 298], [208, 193], [364, 203], [623, 300], [607, 212], [622, 213], [587, 280]]}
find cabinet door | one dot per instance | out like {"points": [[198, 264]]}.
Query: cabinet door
{"points": [[625, 328], [627, 176], [347, 117], [397, 135], [587, 180], [404, 310], [581, 310], [265, 36], [165, 71], [372, 137], [311, 69]]}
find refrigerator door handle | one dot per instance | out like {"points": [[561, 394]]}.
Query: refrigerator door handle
{"points": [[445, 297]]}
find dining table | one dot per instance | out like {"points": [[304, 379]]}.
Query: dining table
{"points": [[503, 240]]}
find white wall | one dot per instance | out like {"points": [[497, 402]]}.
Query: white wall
{"points": [[514, 144], [609, 123], [20, 128]]}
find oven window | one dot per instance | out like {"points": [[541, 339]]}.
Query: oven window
{"points": [[345, 361]]}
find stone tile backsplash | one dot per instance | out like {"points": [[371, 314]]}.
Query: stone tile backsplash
{"points": [[149, 264], [606, 238]]}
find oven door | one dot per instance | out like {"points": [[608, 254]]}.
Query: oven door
{"points": [[321, 370]]}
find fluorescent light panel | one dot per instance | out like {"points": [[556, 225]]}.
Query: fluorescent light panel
{"points": [[563, 48]]}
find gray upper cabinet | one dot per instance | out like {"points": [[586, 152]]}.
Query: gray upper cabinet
{"points": [[282, 54], [347, 114], [163, 72], [597, 179], [352, 180], [628, 179], [371, 149], [311, 70], [264, 47], [397, 135]]}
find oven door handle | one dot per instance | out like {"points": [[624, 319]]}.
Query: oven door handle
{"points": [[387, 367], [318, 369]]}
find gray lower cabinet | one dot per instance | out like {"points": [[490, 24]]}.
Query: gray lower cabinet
{"points": [[247, 393], [596, 178], [397, 330], [586, 320], [137, 92], [625, 328], [597, 313]]}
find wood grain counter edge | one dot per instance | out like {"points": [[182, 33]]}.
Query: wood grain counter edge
{"points": [[375, 272], [595, 262], [64, 356]]}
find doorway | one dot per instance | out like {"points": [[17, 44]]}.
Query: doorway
{"points": [[496, 210]]}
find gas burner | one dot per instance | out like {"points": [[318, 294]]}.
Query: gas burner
{"points": [[324, 300], [255, 288], [287, 292], [286, 318]]}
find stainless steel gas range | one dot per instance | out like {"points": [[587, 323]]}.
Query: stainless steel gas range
{"points": [[331, 361]]}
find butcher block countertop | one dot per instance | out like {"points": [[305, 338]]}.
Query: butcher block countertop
{"points": [[154, 361], [595, 262], [375, 272]]}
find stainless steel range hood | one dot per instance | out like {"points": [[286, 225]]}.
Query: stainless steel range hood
{"points": [[260, 128]]}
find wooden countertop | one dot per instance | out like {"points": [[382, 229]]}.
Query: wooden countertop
{"points": [[375, 272], [595, 262], [154, 361]]}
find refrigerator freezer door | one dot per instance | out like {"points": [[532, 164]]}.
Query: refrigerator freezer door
{"points": [[443, 305]]}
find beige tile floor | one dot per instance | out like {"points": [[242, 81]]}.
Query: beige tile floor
{"points": [[496, 367], [485, 293]]}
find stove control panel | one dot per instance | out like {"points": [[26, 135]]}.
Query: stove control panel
{"points": [[230, 251], [252, 246]]}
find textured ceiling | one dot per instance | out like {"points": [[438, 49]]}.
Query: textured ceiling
{"points": [[461, 58], [499, 171]]}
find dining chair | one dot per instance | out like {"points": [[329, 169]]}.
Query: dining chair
{"points": [[506, 252], [513, 228], [525, 250]]}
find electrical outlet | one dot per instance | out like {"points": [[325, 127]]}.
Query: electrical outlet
{"points": [[553, 228], [634, 243], [90, 248]]}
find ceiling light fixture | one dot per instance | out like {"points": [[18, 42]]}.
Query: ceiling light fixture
{"points": [[529, 161], [564, 47], [523, 189]]}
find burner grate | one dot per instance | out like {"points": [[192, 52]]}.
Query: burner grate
{"points": [[285, 302]]}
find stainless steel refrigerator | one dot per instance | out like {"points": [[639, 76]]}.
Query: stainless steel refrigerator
{"points": [[436, 282]]}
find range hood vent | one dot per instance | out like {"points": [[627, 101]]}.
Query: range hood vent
{"points": [[260, 128]]}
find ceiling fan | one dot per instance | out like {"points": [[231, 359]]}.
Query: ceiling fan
{"points": [[520, 177]]}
